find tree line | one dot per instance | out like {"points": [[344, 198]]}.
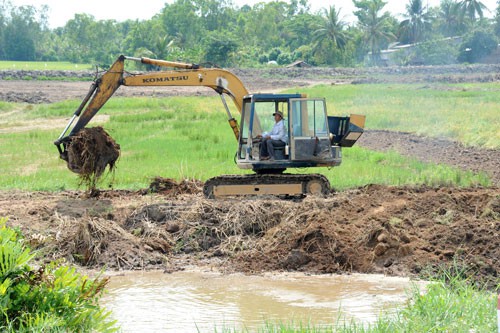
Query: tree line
{"points": [[220, 33]]}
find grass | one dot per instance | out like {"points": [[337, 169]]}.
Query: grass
{"points": [[43, 65], [467, 113], [182, 137]]}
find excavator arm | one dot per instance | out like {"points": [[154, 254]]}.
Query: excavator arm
{"points": [[181, 74]]}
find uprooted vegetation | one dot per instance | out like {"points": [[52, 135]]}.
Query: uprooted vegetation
{"points": [[373, 229], [90, 152]]}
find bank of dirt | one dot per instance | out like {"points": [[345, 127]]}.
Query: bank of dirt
{"points": [[373, 229]]}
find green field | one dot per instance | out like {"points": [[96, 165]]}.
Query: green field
{"points": [[188, 137], [43, 65], [468, 113]]}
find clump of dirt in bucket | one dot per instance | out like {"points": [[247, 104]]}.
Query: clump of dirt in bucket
{"points": [[90, 151]]}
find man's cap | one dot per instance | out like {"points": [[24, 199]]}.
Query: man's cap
{"points": [[278, 112]]}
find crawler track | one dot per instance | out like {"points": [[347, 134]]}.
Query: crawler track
{"points": [[267, 184]]}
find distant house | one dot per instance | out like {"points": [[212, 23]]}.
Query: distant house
{"points": [[396, 51], [299, 63]]}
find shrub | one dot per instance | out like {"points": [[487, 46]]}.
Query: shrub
{"points": [[263, 59], [437, 52], [478, 45], [51, 298], [274, 54], [284, 58]]}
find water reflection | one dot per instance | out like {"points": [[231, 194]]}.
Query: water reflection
{"points": [[203, 302]]}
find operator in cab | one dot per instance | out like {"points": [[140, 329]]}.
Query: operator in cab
{"points": [[276, 138]]}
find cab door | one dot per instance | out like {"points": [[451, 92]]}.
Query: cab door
{"points": [[309, 134]]}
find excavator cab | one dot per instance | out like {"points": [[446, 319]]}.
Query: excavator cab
{"points": [[314, 138]]}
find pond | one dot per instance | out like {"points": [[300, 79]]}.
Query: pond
{"points": [[191, 301]]}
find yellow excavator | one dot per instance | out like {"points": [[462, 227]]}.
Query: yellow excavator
{"points": [[314, 138]]}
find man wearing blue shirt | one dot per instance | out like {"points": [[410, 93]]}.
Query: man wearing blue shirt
{"points": [[276, 138]]}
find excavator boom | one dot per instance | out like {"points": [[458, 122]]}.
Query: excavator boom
{"points": [[183, 74]]}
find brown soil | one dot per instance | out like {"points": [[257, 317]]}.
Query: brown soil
{"points": [[374, 229]]}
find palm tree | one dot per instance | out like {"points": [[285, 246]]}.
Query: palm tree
{"points": [[497, 20], [451, 19], [162, 46], [417, 23], [375, 27], [470, 8], [330, 31]]}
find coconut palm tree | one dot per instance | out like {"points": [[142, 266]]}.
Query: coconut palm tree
{"points": [[331, 30], [497, 20], [472, 7], [417, 23], [375, 27], [451, 18]]}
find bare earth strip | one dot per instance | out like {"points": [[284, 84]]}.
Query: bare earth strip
{"points": [[435, 150]]}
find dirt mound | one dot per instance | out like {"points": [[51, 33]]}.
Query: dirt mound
{"points": [[90, 151], [390, 230], [36, 97], [373, 229]]}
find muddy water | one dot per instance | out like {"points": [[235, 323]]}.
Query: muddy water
{"points": [[206, 302]]}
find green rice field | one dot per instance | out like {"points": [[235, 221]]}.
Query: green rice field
{"points": [[188, 137], [43, 65]]}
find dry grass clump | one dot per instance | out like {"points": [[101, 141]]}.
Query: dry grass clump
{"points": [[300, 228], [93, 236], [97, 242], [308, 232], [228, 224], [237, 243], [170, 187]]}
